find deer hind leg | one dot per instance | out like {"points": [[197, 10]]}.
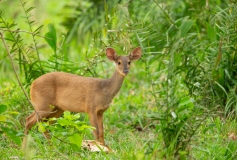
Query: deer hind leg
{"points": [[39, 116], [30, 122], [32, 119]]}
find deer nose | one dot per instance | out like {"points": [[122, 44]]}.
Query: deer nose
{"points": [[125, 71]]}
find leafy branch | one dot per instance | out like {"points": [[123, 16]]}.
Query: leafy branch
{"points": [[30, 23]]}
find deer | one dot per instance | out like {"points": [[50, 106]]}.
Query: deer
{"points": [[70, 92]]}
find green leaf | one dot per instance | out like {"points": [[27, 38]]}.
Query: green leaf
{"points": [[12, 134], [3, 108], [83, 128], [211, 32], [41, 128], [67, 115], [16, 139], [3, 118], [51, 37], [8, 39], [76, 116], [37, 30], [64, 122], [29, 9], [186, 101], [76, 139], [13, 112], [185, 27]]}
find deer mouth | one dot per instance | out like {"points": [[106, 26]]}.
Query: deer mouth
{"points": [[123, 72]]}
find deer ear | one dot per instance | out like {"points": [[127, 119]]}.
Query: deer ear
{"points": [[136, 53], [111, 54]]}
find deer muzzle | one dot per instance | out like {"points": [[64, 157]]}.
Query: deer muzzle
{"points": [[125, 71]]}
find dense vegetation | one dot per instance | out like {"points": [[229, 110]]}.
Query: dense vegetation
{"points": [[178, 102]]}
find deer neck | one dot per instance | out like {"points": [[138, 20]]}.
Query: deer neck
{"points": [[115, 82]]}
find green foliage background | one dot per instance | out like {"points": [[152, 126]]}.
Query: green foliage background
{"points": [[178, 102]]}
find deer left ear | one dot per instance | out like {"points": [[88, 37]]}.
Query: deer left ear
{"points": [[136, 54]]}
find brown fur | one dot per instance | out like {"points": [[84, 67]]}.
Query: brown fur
{"points": [[56, 92]]}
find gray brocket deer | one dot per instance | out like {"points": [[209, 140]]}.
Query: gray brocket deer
{"points": [[69, 92]]}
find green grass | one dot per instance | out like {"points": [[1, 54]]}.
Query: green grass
{"points": [[129, 143], [213, 140]]}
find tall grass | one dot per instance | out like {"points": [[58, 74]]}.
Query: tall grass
{"points": [[189, 84]]}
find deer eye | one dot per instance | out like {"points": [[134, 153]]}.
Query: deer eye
{"points": [[119, 63], [129, 63]]}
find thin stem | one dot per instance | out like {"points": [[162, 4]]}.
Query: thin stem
{"points": [[24, 32], [14, 69]]}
